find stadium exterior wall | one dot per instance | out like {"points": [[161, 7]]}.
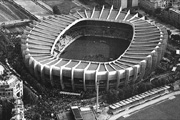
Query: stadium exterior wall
{"points": [[79, 75]]}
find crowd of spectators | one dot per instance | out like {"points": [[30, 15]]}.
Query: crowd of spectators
{"points": [[63, 41], [90, 30], [102, 31], [98, 57]]}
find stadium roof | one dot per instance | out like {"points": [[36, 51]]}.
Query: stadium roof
{"points": [[40, 40]]}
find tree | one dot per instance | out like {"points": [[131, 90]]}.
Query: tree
{"points": [[157, 11], [127, 91], [6, 109], [112, 96], [63, 8], [37, 117], [121, 94], [141, 88]]}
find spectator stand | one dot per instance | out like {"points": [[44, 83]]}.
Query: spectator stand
{"points": [[138, 100], [86, 30], [62, 44]]}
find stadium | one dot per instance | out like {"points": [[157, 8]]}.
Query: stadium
{"points": [[108, 47]]}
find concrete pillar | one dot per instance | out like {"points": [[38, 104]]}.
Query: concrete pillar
{"points": [[84, 76], [135, 72], [27, 58], [61, 78], [36, 71], [51, 76], [127, 76], [72, 76], [148, 65], [84, 80], [31, 66], [165, 35], [120, 75], [23, 49], [164, 41], [42, 74], [118, 79], [96, 80], [23, 42], [142, 69], [159, 55], [72, 79], [154, 60], [107, 85], [163, 48]]}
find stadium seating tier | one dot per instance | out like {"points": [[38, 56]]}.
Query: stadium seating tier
{"points": [[139, 59]]}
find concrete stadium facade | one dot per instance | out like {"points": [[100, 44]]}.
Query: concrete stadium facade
{"points": [[139, 59]]}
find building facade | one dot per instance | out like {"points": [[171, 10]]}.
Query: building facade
{"points": [[11, 87], [151, 5], [11, 91], [123, 3]]}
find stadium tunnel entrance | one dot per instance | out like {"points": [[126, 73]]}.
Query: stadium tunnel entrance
{"points": [[95, 41]]}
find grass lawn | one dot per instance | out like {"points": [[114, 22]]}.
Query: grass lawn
{"points": [[95, 49]]}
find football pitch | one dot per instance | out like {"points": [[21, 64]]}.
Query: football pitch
{"points": [[97, 49]]}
